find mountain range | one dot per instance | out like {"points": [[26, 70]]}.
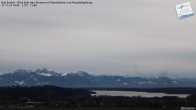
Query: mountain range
{"points": [[83, 79]]}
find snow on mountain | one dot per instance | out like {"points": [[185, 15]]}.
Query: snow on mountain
{"points": [[45, 74], [63, 74], [19, 82]]}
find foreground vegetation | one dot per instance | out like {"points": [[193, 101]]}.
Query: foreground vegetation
{"points": [[57, 98], [91, 108]]}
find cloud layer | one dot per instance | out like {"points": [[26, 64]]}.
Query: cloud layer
{"points": [[137, 37]]}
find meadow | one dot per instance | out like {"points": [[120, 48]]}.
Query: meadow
{"points": [[89, 108]]}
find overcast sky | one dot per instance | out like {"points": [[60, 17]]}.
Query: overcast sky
{"points": [[121, 37]]}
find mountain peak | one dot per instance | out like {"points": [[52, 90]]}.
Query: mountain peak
{"points": [[79, 73], [43, 70], [82, 73], [22, 71]]}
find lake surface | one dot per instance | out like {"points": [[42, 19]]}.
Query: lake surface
{"points": [[134, 93]]}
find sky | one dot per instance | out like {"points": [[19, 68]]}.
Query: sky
{"points": [[119, 37]]}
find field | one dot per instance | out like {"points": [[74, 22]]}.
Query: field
{"points": [[90, 108]]}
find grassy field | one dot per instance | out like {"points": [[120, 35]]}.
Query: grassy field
{"points": [[90, 108]]}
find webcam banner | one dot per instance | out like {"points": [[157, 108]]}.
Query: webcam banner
{"points": [[184, 10]]}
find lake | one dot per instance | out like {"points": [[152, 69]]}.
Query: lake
{"points": [[134, 93]]}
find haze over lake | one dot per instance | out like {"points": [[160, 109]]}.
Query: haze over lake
{"points": [[134, 93]]}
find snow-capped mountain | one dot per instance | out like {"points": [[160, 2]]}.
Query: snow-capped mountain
{"points": [[83, 79]]}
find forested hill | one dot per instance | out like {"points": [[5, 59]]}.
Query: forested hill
{"points": [[42, 92]]}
